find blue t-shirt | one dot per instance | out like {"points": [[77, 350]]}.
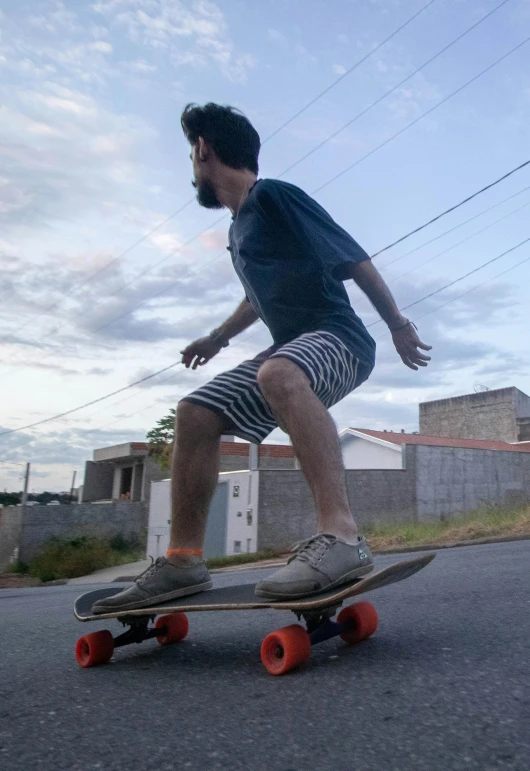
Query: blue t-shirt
{"points": [[292, 259]]}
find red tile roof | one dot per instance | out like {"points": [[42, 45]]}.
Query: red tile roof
{"points": [[442, 441]]}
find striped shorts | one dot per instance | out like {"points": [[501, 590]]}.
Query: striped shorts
{"points": [[333, 372]]}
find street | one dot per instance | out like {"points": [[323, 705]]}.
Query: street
{"points": [[443, 683]]}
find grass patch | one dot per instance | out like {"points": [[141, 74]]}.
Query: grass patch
{"points": [[476, 524], [61, 558], [242, 559]]}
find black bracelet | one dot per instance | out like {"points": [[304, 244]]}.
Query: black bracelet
{"points": [[217, 337], [397, 329]]}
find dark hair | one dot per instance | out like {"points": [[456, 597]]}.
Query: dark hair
{"points": [[231, 135]]}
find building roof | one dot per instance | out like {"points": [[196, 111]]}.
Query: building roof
{"points": [[442, 441]]}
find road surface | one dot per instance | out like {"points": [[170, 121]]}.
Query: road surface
{"points": [[442, 685]]}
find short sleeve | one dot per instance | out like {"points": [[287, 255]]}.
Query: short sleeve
{"points": [[292, 210]]}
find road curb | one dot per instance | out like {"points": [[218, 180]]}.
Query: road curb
{"points": [[453, 544], [378, 552]]}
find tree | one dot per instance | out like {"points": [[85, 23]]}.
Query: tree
{"points": [[9, 499], [161, 439]]}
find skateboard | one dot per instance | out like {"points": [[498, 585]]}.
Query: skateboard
{"points": [[281, 650]]}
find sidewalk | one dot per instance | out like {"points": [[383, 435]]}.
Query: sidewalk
{"points": [[130, 571]]}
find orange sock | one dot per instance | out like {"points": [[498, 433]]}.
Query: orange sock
{"points": [[186, 552]]}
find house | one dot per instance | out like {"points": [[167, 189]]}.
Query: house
{"points": [[364, 448], [124, 472]]}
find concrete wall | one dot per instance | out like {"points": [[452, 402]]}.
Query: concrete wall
{"points": [[97, 485], [287, 512], [10, 532], [241, 463], [234, 463], [363, 454], [452, 480], [484, 415], [103, 520]]}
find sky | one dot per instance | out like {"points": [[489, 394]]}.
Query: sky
{"points": [[92, 159]]}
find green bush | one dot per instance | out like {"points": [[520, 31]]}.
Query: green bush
{"points": [[61, 558]]}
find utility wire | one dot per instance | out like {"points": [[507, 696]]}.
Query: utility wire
{"points": [[459, 243], [393, 89], [280, 128], [451, 209], [423, 115], [364, 157], [148, 270], [174, 364], [88, 404], [460, 224], [457, 280], [350, 70], [468, 291]]}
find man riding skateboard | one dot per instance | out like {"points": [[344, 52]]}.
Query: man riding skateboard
{"points": [[292, 259]]}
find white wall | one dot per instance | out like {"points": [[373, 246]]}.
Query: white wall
{"points": [[362, 453], [159, 519], [242, 518]]}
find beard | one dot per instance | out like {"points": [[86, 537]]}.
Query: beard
{"points": [[206, 195]]}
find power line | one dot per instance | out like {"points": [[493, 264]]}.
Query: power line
{"points": [[423, 115], [321, 187], [370, 153], [468, 291], [88, 404], [349, 71], [393, 89], [451, 209], [280, 128], [460, 224], [84, 281], [174, 364], [457, 280], [463, 241]]}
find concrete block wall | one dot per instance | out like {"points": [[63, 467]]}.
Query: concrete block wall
{"points": [[103, 520], [483, 415], [287, 512], [10, 533], [452, 480]]}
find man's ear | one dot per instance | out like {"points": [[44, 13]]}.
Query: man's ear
{"points": [[203, 149]]}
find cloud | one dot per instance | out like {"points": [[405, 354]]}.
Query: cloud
{"points": [[339, 69], [62, 154], [196, 36]]}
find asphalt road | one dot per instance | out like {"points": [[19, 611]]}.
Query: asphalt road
{"points": [[443, 684]]}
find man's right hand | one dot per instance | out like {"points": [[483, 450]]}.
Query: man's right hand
{"points": [[199, 352]]}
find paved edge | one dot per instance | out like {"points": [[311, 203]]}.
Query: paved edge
{"points": [[279, 563], [380, 552]]}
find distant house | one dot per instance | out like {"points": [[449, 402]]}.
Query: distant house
{"points": [[364, 448], [124, 472]]}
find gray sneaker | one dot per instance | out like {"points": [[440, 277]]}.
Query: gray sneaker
{"points": [[319, 563], [160, 582]]}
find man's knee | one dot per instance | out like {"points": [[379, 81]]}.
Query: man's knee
{"points": [[280, 379], [193, 421]]}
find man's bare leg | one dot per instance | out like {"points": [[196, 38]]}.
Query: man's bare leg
{"points": [[195, 468], [315, 441]]}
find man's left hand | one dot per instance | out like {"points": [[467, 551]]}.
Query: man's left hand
{"points": [[407, 344]]}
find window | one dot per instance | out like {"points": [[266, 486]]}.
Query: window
{"points": [[237, 547]]}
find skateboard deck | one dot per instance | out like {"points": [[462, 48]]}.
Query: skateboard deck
{"points": [[285, 649]]}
